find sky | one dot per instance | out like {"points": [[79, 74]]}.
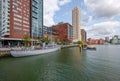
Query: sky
{"points": [[100, 18]]}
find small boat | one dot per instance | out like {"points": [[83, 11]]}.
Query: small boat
{"points": [[30, 52], [91, 47]]}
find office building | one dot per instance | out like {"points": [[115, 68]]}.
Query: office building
{"points": [[15, 18], [83, 35], [36, 18], [64, 31], [20, 17], [5, 18], [49, 30], [76, 24], [0, 17], [115, 40], [95, 41], [0, 21], [107, 40], [50, 33]]}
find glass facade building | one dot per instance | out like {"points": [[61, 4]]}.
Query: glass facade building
{"points": [[5, 17], [36, 18], [69, 31], [0, 17], [0, 21]]}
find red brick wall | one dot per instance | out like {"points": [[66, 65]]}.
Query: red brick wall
{"points": [[62, 30], [19, 9]]}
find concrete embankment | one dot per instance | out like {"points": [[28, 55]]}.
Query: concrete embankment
{"points": [[4, 52], [74, 45]]}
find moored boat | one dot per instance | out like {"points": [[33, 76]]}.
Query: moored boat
{"points": [[30, 52], [91, 47]]}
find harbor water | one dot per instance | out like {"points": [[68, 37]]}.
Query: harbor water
{"points": [[68, 64]]}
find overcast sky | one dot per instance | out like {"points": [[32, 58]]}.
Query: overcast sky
{"points": [[100, 18]]}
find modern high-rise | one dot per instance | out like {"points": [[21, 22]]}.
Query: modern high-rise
{"points": [[20, 17], [76, 24], [0, 20], [5, 18], [36, 18], [107, 40], [15, 18], [0, 17]]}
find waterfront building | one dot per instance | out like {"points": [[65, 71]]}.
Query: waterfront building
{"points": [[0, 21], [49, 30], [15, 20], [118, 41], [115, 40], [20, 18], [107, 40], [95, 41], [76, 24], [5, 17], [115, 37], [0, 17], [36, 18], [83, 35], [64, 31], [101, 41], [50, 33], [90, 41]]}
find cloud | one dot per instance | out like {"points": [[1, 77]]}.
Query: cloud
{"points": [[63, 2], [104, 8], [103, 29], [50, 8]]}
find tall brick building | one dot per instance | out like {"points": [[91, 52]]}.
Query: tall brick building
{"points": [[20, 17], [15, 18]]}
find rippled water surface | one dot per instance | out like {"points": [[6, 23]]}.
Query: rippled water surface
{"points": [[65, 65]]}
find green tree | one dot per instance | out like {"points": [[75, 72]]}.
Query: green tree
{"points": [[45, 39], [62, 41], [82, 43], [56, 40], [26, 40]]}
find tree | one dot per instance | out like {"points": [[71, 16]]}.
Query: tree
{"points": [[45, 39], [56, 40], [26, 40], [62, 41], [82, 43]]}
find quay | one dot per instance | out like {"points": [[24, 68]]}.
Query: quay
{"points": [[4, 52], [73, 45]]}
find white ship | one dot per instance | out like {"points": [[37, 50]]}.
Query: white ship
{"points": [[30, 52]]}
